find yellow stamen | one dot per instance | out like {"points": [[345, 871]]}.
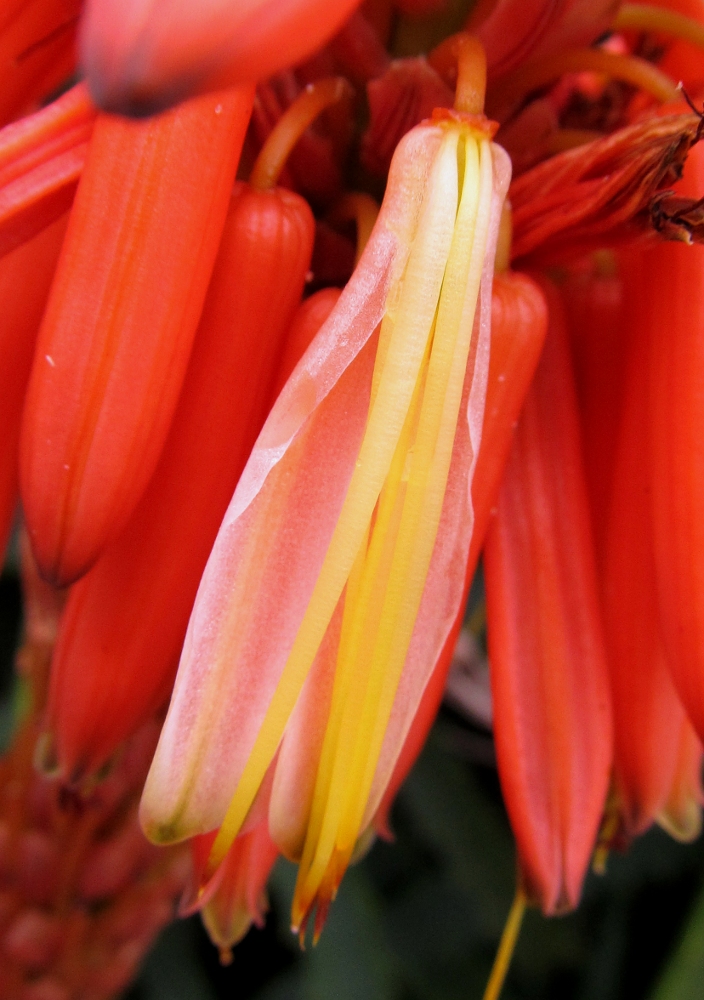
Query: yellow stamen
{"points": [[643, 17], [507, 946], [461, 60], [471, 75], [291, 126], [541, 72]]}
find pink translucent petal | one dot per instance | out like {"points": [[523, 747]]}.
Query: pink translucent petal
{"points": [[274, 537]]}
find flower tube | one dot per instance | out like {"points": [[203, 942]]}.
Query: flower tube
{"points": [[517, 29], [552, 716], [673, 297], [37, 51], [239, 898], [648, 716], [310, 316], [593, 301], [339, 566], [112, 353], [681, 815]]}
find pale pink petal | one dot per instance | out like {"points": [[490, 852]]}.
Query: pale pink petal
{"points": [[274, 537]]}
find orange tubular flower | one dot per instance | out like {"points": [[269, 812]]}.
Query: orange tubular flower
{"points": [[25, 279], [673, 303], [548, 667], [41, 158], [593, 301], [328, 599], [681, 815], [109, 367], [649, 721], [140, 56], [107, 678], [604, 192]]}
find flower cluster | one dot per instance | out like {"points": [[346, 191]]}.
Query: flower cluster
{"points": [[263, 426]]}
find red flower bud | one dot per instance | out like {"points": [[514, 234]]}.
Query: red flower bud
{"points": [[120, 322], [548, 668]]}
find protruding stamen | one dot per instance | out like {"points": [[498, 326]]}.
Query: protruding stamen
{"points": [[541, 72], [305, 109], [507, 946], [461, 60], [643, 17]]}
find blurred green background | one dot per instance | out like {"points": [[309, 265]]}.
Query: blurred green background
{"points": [[420, 919]]}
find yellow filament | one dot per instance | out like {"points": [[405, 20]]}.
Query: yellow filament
{"points": [[399, 557], [460, 59], [471, 75], [415, 312], [506, 947], [541, 72], [643, 17], [291, 126]]}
